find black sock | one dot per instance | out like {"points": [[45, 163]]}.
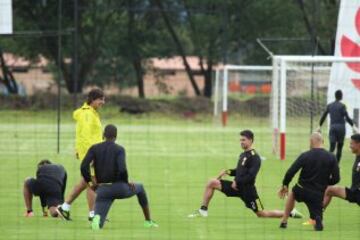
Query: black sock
{"points": [[29, 211], [203, 208]]}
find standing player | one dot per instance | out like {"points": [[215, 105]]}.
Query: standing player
{"points": [[49, 185], [319, 169], [111, 178], [351, 194], [338, 115], [88, 132], [243, 185]]}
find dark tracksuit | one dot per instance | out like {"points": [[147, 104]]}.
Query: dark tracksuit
{"points": [[338, 115], [108, 160], [319, 169]]}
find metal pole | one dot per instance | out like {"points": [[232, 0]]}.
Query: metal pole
{"points": [[76, 51], [59, 76]]}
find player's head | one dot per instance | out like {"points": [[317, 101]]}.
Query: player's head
{"points": [[246, 139], [43, 162], [355, 144], [96, 98], [316, 140], [338, 95], [110, 132]]}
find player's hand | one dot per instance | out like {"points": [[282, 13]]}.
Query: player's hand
{"points": [[45, 212], [132, 186], [355, 129], [283, 192], [234, 186], [221, 174]]}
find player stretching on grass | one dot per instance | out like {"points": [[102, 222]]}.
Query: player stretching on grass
{"points": [[351, 194], [243, 185], [338, 115], [88, 132], [49, 185], [111, 178], [319, 169]]}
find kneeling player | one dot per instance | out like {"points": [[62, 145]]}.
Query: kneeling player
{"points": [[319, 168], [111, 178], [351, 194], [49, 185], [243, 185]]}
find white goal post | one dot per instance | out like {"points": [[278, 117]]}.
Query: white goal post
{"points": [[221, 86], [316, 69]]}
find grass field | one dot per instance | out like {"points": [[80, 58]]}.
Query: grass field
{"points": [[173, 157]]}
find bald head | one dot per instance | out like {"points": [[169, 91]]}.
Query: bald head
{"points": [[316, 140]]}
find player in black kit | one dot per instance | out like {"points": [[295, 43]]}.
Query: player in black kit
{"points": [[243, 186], [319, 169], [351, 194], [338, 115]]}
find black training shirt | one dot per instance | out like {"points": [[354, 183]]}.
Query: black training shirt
{"points": [[338, 114], [247, 168], [355, 183], [108, 160], [319, 168]]}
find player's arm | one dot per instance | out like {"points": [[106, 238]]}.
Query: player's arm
{"points": [[85, 166], [85, 133], [347, 118], [251, 174], [121, 164], [294, 168], [229, 172], [323, 117]]}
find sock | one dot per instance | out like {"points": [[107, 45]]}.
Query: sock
{"points": [[91, 214], [203, 208], [29, 211], [65, 206]]}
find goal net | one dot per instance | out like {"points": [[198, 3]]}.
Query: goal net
{"points": [[301, 88]]}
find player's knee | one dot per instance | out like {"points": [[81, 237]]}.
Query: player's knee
{"points": [[53, 212], [260, 214], [212, 183]]}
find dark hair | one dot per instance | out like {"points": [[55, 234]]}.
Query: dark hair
{"points": [[338, 95], [43, 162], [94, 94], [110, 132], [356, 137], [248, 134]]}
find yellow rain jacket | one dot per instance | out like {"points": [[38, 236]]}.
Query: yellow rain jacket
{"points": [[88, 129]]}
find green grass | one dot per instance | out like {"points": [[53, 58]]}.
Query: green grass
{"points": [[173, 157]]}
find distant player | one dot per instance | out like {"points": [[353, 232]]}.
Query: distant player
{"points": [[88, 132], [319, 169], [351, 194], [49, 185], [338, 115], [243, 186], [111, 178]]}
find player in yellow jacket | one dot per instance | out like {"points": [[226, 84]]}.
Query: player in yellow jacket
{"points": [[88, 133]]}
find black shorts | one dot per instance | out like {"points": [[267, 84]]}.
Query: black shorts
{"points": [[337, 133], [49, 191], [312, 199], [247, 194], [353, 196]]}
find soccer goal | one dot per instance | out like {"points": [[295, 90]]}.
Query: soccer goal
{"points": [[301, 88], [239, 82]]}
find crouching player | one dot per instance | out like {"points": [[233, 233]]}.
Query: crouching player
{"points": [[49, 185]]}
